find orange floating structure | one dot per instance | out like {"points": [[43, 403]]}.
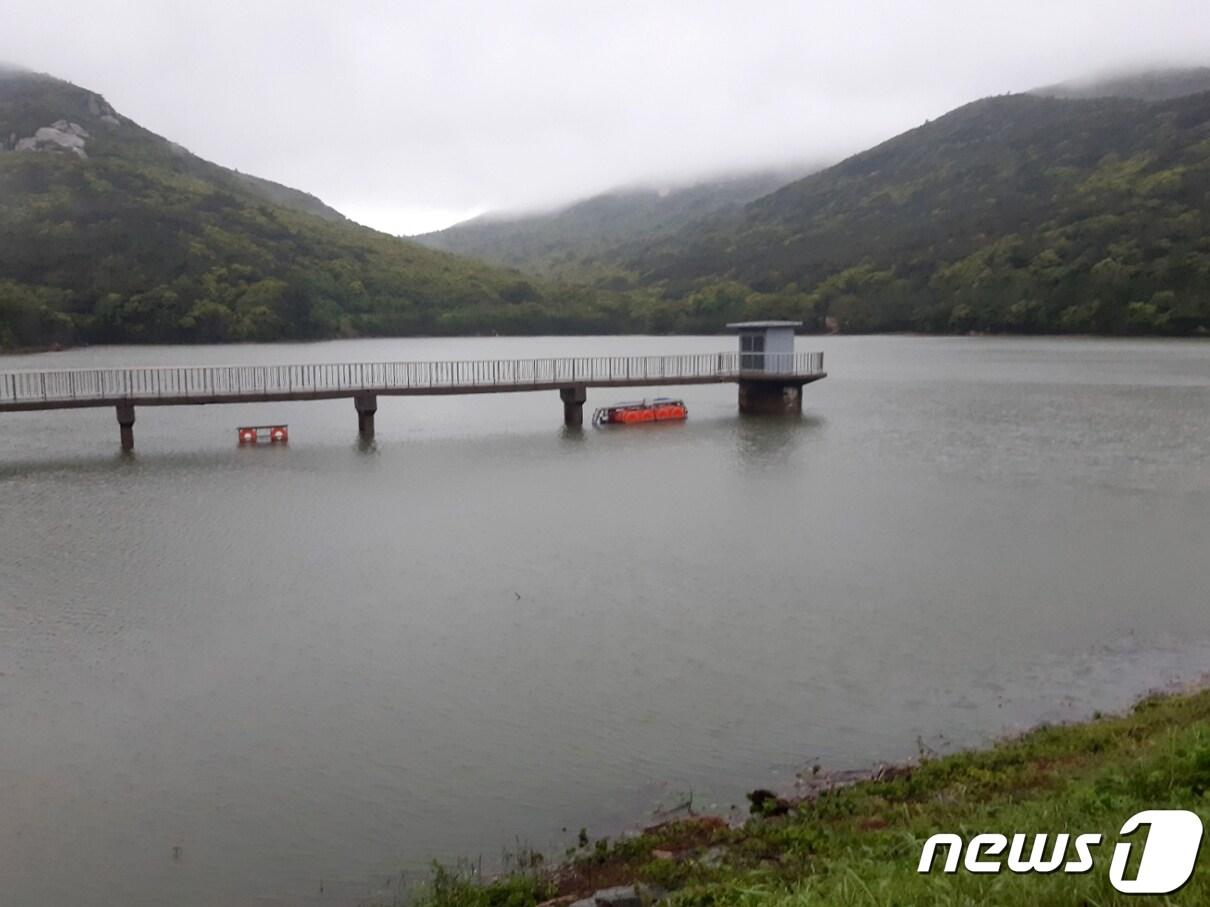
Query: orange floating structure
{"points": [[661, 409], [263, 434]]}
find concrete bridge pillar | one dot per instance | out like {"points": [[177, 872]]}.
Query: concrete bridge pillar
{"points": [[367, 405], [770, 398], [126, 424], [573, 404]]}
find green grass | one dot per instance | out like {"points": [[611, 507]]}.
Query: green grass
{"points": [[860, 845]]}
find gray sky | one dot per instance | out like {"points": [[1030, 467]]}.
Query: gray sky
{"points": [[409, 116]]}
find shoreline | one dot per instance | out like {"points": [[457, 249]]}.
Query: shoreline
{"points": [[843, 836]]}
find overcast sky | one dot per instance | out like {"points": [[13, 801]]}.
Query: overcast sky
{"points": [[409, 116]]}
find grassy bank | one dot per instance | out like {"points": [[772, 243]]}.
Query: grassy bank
{"points": [[860, 844]]}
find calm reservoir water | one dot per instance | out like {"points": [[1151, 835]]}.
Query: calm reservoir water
{"points": [[281, 676]]}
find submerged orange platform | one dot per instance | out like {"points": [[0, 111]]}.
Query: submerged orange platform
{"points": [[661, 409]]}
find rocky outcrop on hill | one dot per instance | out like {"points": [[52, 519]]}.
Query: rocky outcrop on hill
{"points": [[64, 135], [100, 108], [59, 136]]}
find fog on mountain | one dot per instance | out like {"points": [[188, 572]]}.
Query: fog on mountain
{"points": [[1078, 208]]}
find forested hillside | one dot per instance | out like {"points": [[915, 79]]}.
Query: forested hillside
{"points": [[1021, 213], [109, 233], [1017, 213], [578, 241]]}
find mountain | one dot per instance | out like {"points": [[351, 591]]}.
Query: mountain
{"points": [[576, 240], [110, 233], [1020, 213], [1014, 213], [1148, 85], [30, 101]]}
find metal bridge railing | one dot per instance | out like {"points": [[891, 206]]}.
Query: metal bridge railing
{"points": [[248, 380]]}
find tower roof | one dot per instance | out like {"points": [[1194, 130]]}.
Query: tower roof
{"points": [[755, 325]]}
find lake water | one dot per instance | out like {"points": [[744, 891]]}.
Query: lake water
{"points": [[283, 675]]}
